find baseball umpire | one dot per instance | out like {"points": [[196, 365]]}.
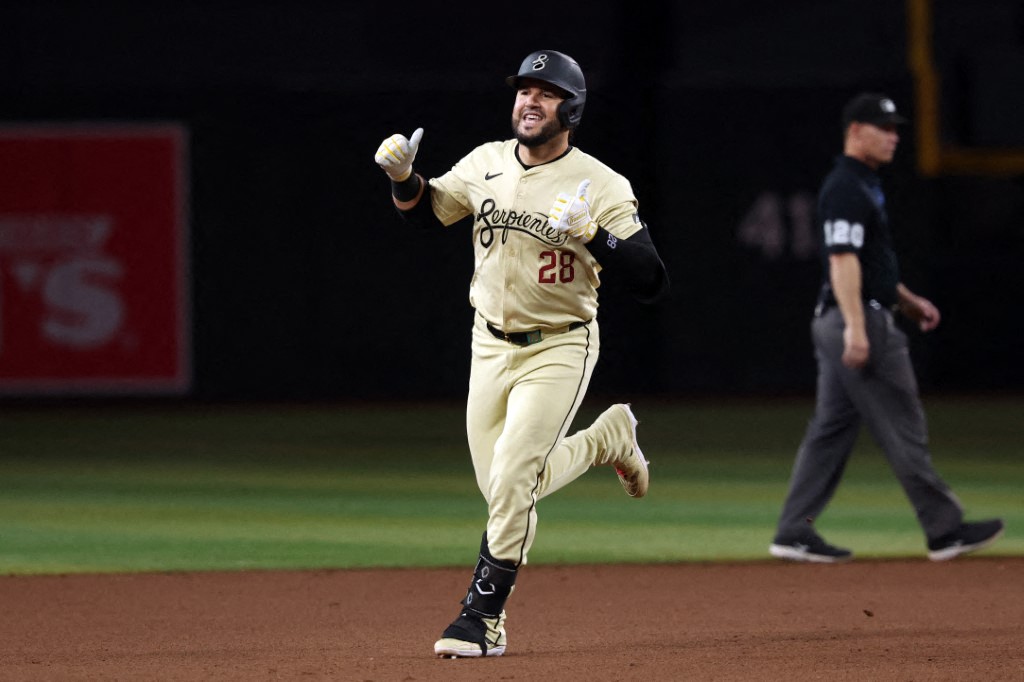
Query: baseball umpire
{"points": [[864, 369], [547, 218]]}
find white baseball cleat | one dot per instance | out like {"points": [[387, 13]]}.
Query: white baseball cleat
{"points": [[457, 648], [491, 629], [632, 467]]}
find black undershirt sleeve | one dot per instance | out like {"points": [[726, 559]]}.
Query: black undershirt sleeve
{"points": [[407, 189], [422, 214], [635, 260]]}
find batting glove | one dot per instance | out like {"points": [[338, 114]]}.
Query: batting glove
{"points": [[396, 153], [571, 214]]}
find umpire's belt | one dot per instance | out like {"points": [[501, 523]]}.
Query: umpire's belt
{"points": [[528, 338], [823, 306]]}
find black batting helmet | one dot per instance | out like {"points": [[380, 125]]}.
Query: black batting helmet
{"points": [[562, 71]]}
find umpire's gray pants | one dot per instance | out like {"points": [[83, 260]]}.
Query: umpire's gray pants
{"points": [[884, 395]]}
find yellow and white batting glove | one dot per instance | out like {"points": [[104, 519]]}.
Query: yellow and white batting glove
{"points": [[395, 155], [571, 214]]}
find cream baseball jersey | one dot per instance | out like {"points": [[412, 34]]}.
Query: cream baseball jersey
{"points": [[528, 275]]}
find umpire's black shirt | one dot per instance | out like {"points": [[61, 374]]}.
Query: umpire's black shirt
{"points": [[852, 217]]}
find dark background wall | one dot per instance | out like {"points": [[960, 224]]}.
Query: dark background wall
{"points": [[723, 115]]}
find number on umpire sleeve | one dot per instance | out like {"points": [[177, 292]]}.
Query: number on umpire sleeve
{"points": [[841, 232]]}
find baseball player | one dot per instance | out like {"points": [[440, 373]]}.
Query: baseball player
{"points": [[546, 219], [864, 369]]}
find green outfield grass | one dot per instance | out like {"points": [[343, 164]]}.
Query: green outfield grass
{"points": [[151, 488]]}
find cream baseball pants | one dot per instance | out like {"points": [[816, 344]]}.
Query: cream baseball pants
{"points": [[522, 400]]}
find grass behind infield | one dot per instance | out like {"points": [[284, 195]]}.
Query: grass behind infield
{"points": [[149, 488]]}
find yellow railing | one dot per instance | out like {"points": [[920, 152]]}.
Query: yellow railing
{"points": [[933, 156]]}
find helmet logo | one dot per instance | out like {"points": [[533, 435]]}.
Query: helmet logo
{"points": [[540, 62]]}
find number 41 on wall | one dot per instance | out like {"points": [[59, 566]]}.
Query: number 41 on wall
{"points": [[776, 224]]}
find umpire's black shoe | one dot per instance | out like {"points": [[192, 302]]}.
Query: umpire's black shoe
{"points": [[967, 538], [810, 548]]}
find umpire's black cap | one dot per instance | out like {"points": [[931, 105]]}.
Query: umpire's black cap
{"points": [[871, 107]]}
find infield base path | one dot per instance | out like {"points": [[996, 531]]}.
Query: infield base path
{"points": [[884, 620]]}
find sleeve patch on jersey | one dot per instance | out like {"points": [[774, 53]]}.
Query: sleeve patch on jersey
{"points": [[842, 233]]}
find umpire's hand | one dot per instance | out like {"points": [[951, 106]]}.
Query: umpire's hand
{"points": [[918, 308]]}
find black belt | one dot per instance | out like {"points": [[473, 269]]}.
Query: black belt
{"points": [[822, 306], [528, 338]]}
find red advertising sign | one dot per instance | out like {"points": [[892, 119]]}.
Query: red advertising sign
{"points": [[93, 260]]}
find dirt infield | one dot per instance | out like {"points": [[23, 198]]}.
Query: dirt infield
{"points": [[891, 620]]}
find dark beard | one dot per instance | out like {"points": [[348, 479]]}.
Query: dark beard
{"points": [[547, 133]]}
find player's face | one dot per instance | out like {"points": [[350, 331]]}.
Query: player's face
{"points": [[535, 113], [876, 144]]}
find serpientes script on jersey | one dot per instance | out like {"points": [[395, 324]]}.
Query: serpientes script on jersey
{"points": [[490, 218]]}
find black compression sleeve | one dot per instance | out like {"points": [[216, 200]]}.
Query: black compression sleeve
{"points": [[407, 189], [422, 214], [635, 260]]}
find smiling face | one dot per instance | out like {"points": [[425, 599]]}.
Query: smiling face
{"points": [[535, 113], [871, 144]]}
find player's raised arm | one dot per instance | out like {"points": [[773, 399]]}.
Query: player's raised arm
{"points": [[395, 156], [634, 258], [571, 214]]}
